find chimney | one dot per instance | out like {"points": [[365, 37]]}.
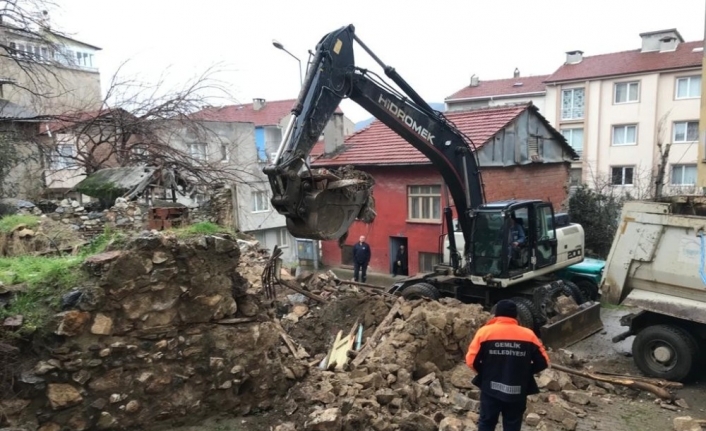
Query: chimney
{"points": [[516, 73], [667, 43], [44, 20], [660, 40], [334, 134], [574, 57], [474, 80], [258, 104]]}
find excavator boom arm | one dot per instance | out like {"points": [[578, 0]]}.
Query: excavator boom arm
{"points": [[313, 208]]}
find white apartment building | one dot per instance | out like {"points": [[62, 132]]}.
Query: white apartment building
{"points": [[616, 108]]}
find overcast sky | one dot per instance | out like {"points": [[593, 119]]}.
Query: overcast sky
{"points": [[435, 45]]}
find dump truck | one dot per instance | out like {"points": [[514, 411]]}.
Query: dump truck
{"points": [[656, 265]]}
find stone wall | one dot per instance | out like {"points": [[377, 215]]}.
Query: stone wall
{"points": [[163, 330], [123, 215]]}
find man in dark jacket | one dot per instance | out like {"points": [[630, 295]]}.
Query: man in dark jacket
{"points": [[361, 259], [506, 356], [400, 266]]}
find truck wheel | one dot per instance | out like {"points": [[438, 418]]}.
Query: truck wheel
{"points": [[536, 314], [588, 289], [666, 352], [573, 291], [524, 315], [421, 290]]}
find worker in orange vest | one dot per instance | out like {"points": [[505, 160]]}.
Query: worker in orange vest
{"points": [[506, 356]]}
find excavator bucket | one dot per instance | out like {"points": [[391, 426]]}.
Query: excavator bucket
{"points": [[573, 328], [334, 203]]}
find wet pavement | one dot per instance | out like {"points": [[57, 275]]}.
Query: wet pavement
{"points": [[604, 355], [599, 346]]}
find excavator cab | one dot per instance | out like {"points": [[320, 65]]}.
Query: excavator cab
{"points": [[511, 238]]}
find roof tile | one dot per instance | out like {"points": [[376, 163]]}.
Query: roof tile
{"points": [[630, 62], [502, 87], [270, 115], [379, 145]]}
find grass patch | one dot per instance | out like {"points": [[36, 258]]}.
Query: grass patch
{"points": [[202, 228], [102, 241], [8, 223], [47, 279]]}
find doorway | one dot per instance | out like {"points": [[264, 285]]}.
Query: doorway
{"points": [[395, 243]]}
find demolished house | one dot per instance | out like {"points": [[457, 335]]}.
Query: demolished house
{"points": [[133, 182], [163, 190]]}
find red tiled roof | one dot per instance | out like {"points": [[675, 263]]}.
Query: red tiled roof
{"points": [[270, 115], [502, 87], [379, 145], [65, 121], [629, 62], [317, 150]]}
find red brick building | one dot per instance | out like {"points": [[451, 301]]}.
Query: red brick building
{"points": [[520, 154]]}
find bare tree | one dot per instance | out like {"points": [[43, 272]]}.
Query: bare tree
{"points": [[152, 124], [640, 181], [31, 49], [662, 154]]}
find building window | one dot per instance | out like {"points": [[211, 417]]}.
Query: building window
{"points": [[260, 201], [283, 238], [683, 175], [626, 92], [621, 176], [28, 50], [139, 151], [575, 138], [572, 104], [62, 157], [625, 134], [225, 153], [424, 203], [70, 57], [575, 177], [688, 87], [261, 237], [427, 261], [686, 131], [198, 151]]}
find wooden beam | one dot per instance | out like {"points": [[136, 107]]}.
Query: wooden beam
{"points": [[293, 285], [370, 343], [619, 380]]}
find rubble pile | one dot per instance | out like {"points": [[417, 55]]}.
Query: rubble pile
{"points": [[169, 330], [165, 329], [90, 220], [414, 376], [44, 238], [409, 378]]}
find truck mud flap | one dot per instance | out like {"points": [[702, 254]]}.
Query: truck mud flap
{"points": [[573, 328]]}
